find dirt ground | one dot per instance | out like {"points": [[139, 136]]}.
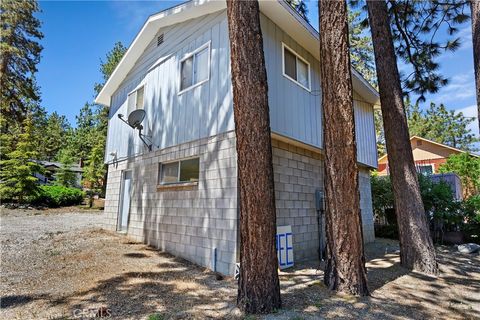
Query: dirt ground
{"points": [[59, 265]]}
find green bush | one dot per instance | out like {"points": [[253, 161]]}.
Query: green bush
{"points": [[58, 196], [443, 211], [471, 208]]}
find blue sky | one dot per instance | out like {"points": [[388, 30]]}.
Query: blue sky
{"points": [[79, 33]]}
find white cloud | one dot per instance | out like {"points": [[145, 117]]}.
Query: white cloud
{"points": [[471, 112], [465, 35], [461, 87]]}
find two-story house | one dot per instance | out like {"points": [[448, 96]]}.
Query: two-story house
{"points": [[182, 196]]}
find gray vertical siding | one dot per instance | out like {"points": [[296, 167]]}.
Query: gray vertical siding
{"points": [[365, 132], [207, 110], [294, 111], [171, 119]]}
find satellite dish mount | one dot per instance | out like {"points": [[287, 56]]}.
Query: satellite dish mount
{"points": [[135, 119]]}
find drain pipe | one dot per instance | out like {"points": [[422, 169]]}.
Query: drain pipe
{"points": [[320, 205]]}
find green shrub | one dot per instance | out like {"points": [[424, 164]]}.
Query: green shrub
{"points": [[471, 208], [58, 196], [444, 212]]}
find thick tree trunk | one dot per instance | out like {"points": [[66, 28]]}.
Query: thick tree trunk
{"points": [[258, 288], [416, 247], [345, 269], [475, 8]]}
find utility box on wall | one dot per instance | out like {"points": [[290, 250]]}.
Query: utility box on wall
{"points": [[284, 240]]}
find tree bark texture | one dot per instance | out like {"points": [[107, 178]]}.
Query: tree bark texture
{"points": [[258, 289], [416, 247], [475, 8], [345, 268]]}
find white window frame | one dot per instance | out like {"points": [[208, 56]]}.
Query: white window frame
{"points": [[193, 53], [134, 91], [417, 167], [160, 164], [303, 60]]}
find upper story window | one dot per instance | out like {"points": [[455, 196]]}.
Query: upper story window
{"points": [[179, 171], [295, 67], [195, 68], [135, 99]]}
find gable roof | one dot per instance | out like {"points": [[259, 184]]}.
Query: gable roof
{"points": [[435, 143], [278, 11]]}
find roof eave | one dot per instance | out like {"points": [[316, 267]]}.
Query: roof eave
{"points": [[279, 11]]}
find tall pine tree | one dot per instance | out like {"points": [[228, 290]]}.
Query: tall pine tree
{"points": [[416, 247], [258, 287], [19, 56], [345, 269]]}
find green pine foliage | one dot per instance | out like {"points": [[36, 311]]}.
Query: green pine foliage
{"points": [[361, 47], [20, 54], [422, 31], [94, 171], [64, 176], [54, 136], [18, 168]]}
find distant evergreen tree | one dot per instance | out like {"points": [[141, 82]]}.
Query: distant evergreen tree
{"points": [[441, 125], [84, 132], [18, 167], [107, 67], [361, 48], [65, 176], [54, 134], [95, 174]]}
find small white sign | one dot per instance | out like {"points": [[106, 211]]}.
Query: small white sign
{"points": [[284, 241]]}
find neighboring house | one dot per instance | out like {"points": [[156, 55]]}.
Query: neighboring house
{"points": [[51, 168], [182, 196], [427, 154]]}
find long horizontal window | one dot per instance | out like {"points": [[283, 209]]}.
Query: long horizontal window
{"points": [[195, 68], [295, 67], [179, 171]]}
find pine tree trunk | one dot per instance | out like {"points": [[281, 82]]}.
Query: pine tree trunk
{"points": [[345, 269], [416, 247], [475, 8], [258, 288]]}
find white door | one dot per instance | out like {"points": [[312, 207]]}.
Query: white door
{"points": [[125, 201]]}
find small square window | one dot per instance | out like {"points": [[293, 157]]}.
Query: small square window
{"points": [[194, 69], [296, 68]]}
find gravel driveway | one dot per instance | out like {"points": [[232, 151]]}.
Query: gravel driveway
{"points": [[60, 265]]}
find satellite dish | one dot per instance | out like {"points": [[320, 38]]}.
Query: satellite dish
{"points": [[135, 118]]}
